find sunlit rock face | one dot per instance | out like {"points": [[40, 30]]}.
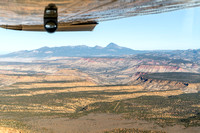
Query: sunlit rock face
{"points": [[30, 12], [187, 82]]}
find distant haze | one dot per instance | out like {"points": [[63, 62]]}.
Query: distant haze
{"points": [[111, 49]]}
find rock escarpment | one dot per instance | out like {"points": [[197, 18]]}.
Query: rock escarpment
{"points": [[187, 82]]}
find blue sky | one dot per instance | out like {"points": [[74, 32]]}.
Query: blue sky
{"points": [[173, 30]]}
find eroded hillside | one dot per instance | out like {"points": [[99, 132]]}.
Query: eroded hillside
{"points": [[53, 91], [187, 82]]}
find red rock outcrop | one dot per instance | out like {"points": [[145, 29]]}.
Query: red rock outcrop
{"points": [[156, 84]]}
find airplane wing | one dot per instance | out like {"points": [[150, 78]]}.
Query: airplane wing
{"points": [[81, 15]]}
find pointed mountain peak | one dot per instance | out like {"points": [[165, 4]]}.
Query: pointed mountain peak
{"points": [[112, 45]]}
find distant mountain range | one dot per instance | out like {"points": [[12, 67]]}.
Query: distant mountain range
{"points": [[111, 49], [75, 51]]}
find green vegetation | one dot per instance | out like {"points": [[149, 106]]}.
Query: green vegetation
{"points": [[152, 57], [193, 120], [165, 111], [50, 99], [22, 91], [159, 57], [16, 124], [47, 99], [178, 61], [132, 130]]}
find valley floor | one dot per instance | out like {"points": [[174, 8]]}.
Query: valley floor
{"points": [[70, 101], [98, 123]]}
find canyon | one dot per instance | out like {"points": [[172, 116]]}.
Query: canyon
{"points": [[160, 88]]}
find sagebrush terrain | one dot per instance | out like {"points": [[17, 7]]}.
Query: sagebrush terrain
{"points": [[115, 94]]}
